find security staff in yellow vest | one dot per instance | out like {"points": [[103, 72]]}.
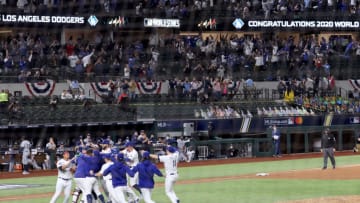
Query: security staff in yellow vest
{"points": [[4, 100]]}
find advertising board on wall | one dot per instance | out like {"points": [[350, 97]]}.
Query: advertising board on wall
{"points": [[15, 18], [240, 24], [161, 23]]}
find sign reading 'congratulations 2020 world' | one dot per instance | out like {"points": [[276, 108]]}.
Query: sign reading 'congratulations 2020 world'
{"points": [[302, 24], [9, 18]]}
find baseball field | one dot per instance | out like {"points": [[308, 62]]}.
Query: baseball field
{"points": [[292, 178]]}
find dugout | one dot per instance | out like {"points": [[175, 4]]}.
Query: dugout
{"points": [[308, 139]]}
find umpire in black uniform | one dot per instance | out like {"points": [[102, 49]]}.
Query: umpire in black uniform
{"points": [[328, 142]]}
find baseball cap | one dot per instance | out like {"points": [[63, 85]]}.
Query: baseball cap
{"points": [[146, 155], [106, 156], [120, 156], [89, 149], [105, 142], [128, 144], [171, 149]]}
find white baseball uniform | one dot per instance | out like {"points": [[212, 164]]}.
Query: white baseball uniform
{"points": [[108, 181], [64, 181], [133, 160], [170, 164]]}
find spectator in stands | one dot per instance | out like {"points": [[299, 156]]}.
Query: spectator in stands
{"points": [[123, 98], [331, 82], [75, 87], [355, 94], [53, 102], [66, 95], [4, 101], [15, 111], [217, 89], [289, 95], [80, 95], [132, 86]]}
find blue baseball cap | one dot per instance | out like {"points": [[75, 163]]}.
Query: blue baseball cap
{"points": [[128, 144], [105, 142], [146, 155], [106, 156], [120, 156], [171, 149]]}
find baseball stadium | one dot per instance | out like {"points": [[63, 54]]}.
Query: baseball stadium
{"points": [[191, 101]]}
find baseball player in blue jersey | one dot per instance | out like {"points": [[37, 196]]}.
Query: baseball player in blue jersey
{"points": [[77, 192], [118, 172], [170, 161], [146, 170], [91, 181], [82, 171], [64, 181]]}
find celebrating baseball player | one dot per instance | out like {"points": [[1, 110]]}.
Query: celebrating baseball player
{"points": [[108, 179], [146, 170], [83, 167], [132, 159], [64, 181], [118, 171], [170, 161], [91, 181]]}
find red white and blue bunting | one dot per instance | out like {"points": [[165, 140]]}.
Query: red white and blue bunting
{"points": [[355, 84], [149, 87], [41, 88], [100, 88]]}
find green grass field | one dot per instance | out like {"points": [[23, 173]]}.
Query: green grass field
{"points": [[236, 190]]}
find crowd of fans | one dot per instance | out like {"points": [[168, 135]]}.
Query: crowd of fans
{"points": [[186, 8], [33, 57], [205, 69]]}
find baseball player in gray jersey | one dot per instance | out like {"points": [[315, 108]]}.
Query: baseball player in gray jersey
{"points": [[181, 145], [25, 146], [64, 181]]}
